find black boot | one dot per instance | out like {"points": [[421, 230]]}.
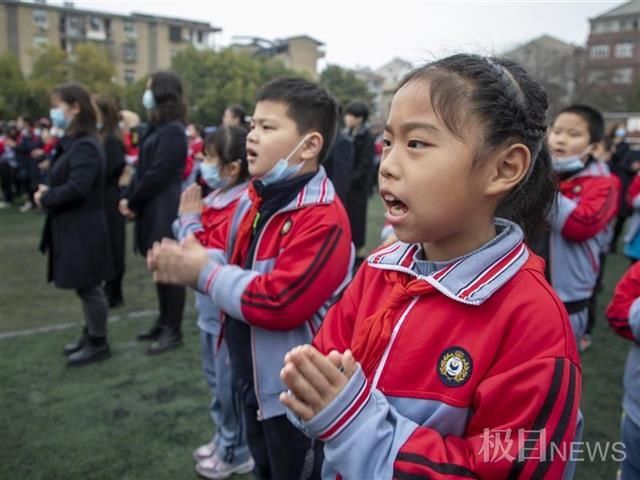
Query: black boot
{"points": [[152, 334], [72, 347], [94, 350], [167, 340]]}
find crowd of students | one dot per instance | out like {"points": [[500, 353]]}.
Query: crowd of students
{"points": [[324, 362]]}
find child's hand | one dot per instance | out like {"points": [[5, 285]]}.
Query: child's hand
{"points": [[191, 200], [177, 264], [314, 380]]}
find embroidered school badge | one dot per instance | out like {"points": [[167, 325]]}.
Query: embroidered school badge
{"points": [[455, 367], [286, 228], [577, 189]]}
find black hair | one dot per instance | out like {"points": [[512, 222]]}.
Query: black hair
{"points": [[310, 106], [239, 112], [27, 119], [167, 91], [84, 123], [593, 118], [229, 144], [358, 110], [109, 116], [498, 95]]}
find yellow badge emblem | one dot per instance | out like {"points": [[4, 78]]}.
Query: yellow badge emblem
{"points": [[455, 367]]}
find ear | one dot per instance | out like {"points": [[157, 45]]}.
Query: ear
{"points": [[312, 147], [508, 169], [233, 169]]}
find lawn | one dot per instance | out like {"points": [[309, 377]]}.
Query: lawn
{"points": [[140, 417]]}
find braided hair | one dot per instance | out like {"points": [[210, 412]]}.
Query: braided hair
{"points": [[497, 95]]}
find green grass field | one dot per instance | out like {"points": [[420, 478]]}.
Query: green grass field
{"points": [[140, 417]]}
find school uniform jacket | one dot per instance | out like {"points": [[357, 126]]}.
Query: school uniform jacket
{"points": [[623, 314], [215, 230], [486, 351], [586, 205], [302, 262]]}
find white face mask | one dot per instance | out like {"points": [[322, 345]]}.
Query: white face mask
{"points": [[282, 170], [572, 163]]}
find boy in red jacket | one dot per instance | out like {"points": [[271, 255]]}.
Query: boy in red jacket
{"points": [[291, 259], [586, 206]]}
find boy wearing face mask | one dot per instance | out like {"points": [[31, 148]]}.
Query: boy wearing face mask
{"points": [[291, 258], [586, 205]]}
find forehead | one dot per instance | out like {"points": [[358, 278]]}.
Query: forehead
{"points": [[572, 121], [412, 103], [271, 111]]}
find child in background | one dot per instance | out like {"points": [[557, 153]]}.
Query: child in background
{"points": [[449, 354], [291, 259], [632, 235], [224, 169], [623, 314], [587, 203]]}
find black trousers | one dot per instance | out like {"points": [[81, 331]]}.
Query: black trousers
{"points": [[6, 179], [171, 300], [280, 450]]}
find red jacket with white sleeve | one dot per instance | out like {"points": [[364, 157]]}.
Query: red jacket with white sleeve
{"points": [[479, 378]]}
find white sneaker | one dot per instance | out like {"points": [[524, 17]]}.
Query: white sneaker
{"points": [[213, 468], [26, 207], [204, 451], [4, 205]]}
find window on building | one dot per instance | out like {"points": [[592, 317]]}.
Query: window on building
{"points": [[622, 76], [96, 24], [624, 50], [597, 76], [129, 28], [599, 52], [129, 76], [41, 19], [175, 34], [75, 26], [129, 52], [200, 36]]}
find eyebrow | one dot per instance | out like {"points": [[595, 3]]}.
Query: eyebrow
{"points": [[409, 126]]}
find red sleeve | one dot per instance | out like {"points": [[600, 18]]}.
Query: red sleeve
{"points": [[626, 292], [306, 273], [634, 190], [596, 208]]}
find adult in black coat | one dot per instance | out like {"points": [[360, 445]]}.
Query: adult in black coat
{"points": [[75, 234], [154, 195], [339, 165], [355, 118], [114, 147]]}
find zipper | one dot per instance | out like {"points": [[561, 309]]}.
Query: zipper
{"points": [[253, 342], [394, 334]]}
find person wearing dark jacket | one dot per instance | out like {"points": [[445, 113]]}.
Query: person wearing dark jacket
{"points": [[154, 195], [355, 119], [113, 143], [75, 233], [339, 165], [27, 142]]}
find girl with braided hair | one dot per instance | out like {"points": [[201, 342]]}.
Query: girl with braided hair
{"points": [[449, 356]]}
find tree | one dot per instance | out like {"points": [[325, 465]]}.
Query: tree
{"points": [[213, 80], [14, 89], [345, 86]]}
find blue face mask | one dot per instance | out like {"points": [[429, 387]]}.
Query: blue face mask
{"points": [[211, 176], [148, 100], [569, 164], [58, 119], [282, 170], [620, 132]]}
